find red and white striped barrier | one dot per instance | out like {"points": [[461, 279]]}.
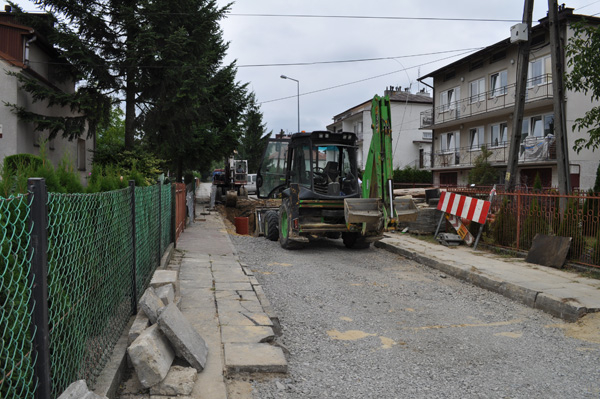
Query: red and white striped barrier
{"points": [[464, 207]]}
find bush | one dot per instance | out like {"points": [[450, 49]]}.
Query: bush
{"points": [[21, 161], [483, 173], [534, 223], [504, 228], [570, 227], [412, 175]]}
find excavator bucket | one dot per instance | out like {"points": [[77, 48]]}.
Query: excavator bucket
{"points": [[406, 210], [363, 210]]}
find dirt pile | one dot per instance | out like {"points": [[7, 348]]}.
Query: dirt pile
{"points": [[245, 207]]}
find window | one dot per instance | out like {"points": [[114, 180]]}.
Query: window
{"points": [[539, 72], [476, 139], [525, 129], [448, 142], [498, 83], [548, 125], [477, 90], [537, 129], [449, 98], [499, 134], [427, 135]]}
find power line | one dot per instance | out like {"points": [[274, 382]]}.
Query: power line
{"points": [[353, 60], [373, 17], [363, 80]]}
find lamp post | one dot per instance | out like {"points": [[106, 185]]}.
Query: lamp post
{"points": [[298, 85]]}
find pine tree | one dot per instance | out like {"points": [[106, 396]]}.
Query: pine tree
{"points": [[254, 140]]}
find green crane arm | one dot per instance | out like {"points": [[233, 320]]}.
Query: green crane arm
{"points": [[377, 177]]}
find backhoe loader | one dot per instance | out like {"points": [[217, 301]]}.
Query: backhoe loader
{"points": [[316, 177]]}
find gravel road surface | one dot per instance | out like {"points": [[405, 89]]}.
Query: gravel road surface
{"points": [[371, 324]]}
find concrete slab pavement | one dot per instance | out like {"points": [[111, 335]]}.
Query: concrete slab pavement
{"points": [[562, 293]]}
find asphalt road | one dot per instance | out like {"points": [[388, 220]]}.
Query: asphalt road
{"points": [[371, 324]]}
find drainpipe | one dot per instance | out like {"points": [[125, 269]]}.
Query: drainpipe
{"points": [[26, 55]]}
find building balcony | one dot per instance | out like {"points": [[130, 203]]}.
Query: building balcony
{"points": [[490, 103], [533, 150]]}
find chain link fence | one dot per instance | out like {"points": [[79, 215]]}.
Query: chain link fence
{"points": [[16, 356], [75, 267]]}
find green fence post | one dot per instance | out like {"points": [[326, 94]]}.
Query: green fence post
{"points": [[160, 220], [39, 278], [134, 244], [173, 215]]}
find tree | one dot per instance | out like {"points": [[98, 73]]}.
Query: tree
{"points": [[483, 173], [74, 62], [194, 104], [164, 59], [254, 139], [582, 57]]}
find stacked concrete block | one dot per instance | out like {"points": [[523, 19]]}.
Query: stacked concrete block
{"points": [[186, 341], [79, 390], [152, 356], [166, 293], [178, 382], [151, 304]]}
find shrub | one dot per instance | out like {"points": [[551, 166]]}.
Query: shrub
{"points": [[570, 227], [534, 223], [412, 175], [504, 227], [483, 173]]}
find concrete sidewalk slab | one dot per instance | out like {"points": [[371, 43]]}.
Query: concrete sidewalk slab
{"points": [[254, 358], [561, 293], [247, 334]]}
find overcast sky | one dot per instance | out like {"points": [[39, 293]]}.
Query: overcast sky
{"points": [[327, 87]]}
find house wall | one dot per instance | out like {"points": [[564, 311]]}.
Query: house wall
{"points": [[8, 121], [405, 130], [585, 163], [20, 137]]}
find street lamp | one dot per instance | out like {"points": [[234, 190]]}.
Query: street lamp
{"points": [[298, 85]]}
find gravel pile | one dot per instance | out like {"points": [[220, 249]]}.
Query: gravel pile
{"points": [[371, 324]]}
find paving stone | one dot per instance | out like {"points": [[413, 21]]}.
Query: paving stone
{"points": [[233, 305], [246, 286], [247, 334], [79, 390], [163, 277], [179, 381], [166, 293], [244, 319], [254, 358], [186, 341], [151, 355], [151, 304], [140, 323]]}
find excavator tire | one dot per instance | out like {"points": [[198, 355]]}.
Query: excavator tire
{"points": [[271, 227], [285, 225], [355, 241]]}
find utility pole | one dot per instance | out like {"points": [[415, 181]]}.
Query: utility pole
{"points": [[560, 131], [521, 89]]}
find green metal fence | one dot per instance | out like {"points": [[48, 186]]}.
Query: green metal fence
{"points": [[74, 267], [16, 358]]}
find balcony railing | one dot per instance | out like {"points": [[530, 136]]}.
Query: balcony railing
{"points": [[538, 88], [533, 149]]}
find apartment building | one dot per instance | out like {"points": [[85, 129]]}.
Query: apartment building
{"points": [[473, 106], [411, 146], [23, 50]]}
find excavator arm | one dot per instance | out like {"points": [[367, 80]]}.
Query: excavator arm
{"points": [[377, 177]]}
